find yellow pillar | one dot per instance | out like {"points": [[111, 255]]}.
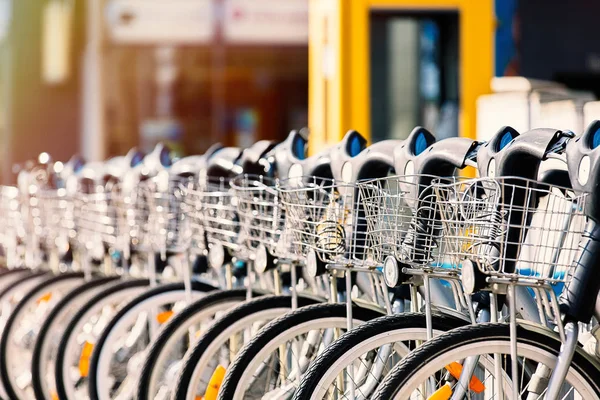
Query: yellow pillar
{"points": [[339, 76]]}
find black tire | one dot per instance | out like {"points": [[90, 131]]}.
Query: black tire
{"points": [[5, 335], [280, 325], [179, 319], [46, 331], [469, 335], [98, 298], [354, 338], [239, 312], [197, 286], [7, 272], [21, 280]]}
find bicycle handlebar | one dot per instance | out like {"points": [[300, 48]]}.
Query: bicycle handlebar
{"points": [[520, 155]]}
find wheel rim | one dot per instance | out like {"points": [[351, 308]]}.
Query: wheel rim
{"points": [[485, 349], [323, 326], [72, 351], [136, 315], [157, 379], [198, 382], [328, 383]]}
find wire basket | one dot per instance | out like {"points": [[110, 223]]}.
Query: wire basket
{"points": [[512, 227], [96, 216], [213, 213], [56, 211], [324, 215], [132, 217], [166, 229], [260, 213], [13, 230], [403, 220]]}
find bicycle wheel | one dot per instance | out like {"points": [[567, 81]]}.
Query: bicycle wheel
{"points": [[428, 370], [20, 331], [11, 295], [118, 353], [270, 366], [217, 347], [372, 348], [46, 344], [163, 359], [71, 365]]}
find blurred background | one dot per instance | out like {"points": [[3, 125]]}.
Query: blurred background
{"points": [[97, 77]]}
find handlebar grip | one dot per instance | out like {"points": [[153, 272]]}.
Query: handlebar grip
{"points": [[583, 155], [375, 161], [521, 156]]}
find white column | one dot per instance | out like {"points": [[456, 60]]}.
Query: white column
{"points": [[93, 139]]}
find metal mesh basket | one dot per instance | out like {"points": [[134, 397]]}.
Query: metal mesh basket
{"points": [[131, 211], [213, 213], [166, 228], [57, 219], [96, 218], [323, 215], [11, 219], [260, 212], [512, 227], [402, 220]]}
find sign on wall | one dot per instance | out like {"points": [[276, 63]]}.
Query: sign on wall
{"points": [[160, 21], [266, 22]]}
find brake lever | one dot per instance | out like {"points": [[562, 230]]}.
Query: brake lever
{"points": [[471, 157], [560, 145]]}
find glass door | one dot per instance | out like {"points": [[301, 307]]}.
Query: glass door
{"points": [[414, 78]]}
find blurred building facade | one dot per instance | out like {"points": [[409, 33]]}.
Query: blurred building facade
{"points": [[190, 73], [100, 76]]}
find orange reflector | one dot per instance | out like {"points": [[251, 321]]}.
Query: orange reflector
{"points": [[212, 390], [475, 384], [54, 395], [164, 316], [84, 360], [198, 398], [44, 298], [443, 393]]}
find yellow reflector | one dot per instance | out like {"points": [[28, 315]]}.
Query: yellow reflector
{"points": [[443, 393], [214, 384], [84, 360], [475, 384], [44, 298], [164, 316]]}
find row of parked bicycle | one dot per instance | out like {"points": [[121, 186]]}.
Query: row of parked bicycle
{"points": [[361, 272]]}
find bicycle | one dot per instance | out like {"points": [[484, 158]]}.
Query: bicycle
{"points": [[519, 232]]}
